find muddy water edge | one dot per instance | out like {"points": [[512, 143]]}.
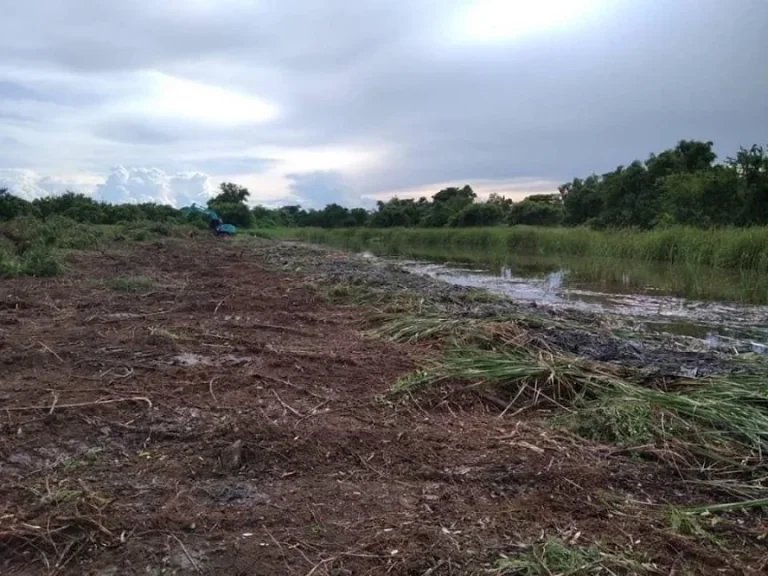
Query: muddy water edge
{"points": [[720, 339]]}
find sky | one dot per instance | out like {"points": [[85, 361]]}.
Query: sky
{"points": [[319, 101]]}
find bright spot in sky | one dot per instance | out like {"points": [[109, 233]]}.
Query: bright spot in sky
{"points": [[325, 158], [490, 21], [171, 97]]}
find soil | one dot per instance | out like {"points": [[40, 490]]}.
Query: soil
{"points": [[224, 418]]}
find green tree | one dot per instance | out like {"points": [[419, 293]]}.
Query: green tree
{"points": [[583, 200], [455, 198], [704, 199], [536, 211], [231, 194], [751, 166], [14, 207], [480, 214]]}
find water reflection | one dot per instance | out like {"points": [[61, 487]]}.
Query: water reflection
{"points": [[698, 302], [712, 322]]}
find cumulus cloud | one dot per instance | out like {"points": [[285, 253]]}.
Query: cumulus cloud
{"points": [[137, 185], [512, 95], [29, 185], [121, 184]]}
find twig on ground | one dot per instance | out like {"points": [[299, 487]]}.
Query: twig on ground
{"points": [[215, 310], [210, 389], [53, 404], [287, 406], [83, 404], [128, 372], [128, 316], [51, 351], [187, 554], [321, 563]]}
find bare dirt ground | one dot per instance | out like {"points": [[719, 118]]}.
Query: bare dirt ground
{"points": [[220, 417]]}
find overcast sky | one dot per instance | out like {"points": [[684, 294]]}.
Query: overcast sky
{"points": [[350, 100]]}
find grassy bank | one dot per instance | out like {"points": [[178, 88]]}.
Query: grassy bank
{"points": [[730, 248]]}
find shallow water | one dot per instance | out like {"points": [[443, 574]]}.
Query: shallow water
{"points": [[718, 323]]}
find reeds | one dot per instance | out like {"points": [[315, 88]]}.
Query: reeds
{"points": [[727, 248]]}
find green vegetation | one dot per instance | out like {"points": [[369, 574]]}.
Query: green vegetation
{"points": [[132, 284], [716, 264], [732, 248], [555, 556], [32, 246]]}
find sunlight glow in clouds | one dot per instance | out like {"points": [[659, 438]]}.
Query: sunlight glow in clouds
{"points": [[493, 21], [171, 97]]}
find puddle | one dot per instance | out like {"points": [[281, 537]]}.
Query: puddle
{"points": [[716, 323]]}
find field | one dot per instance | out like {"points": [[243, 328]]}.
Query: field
{"points": [[247, 407]]}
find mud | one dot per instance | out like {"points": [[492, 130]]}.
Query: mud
{"points": [[228, 421], [582, 333]]}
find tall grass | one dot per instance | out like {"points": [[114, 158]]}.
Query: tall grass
{"points": [[729, 248]]}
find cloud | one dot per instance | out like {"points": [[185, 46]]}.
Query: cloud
{"points": [[373, 96], [320, 188], [132, 185], [29, 185], [137, 185]]}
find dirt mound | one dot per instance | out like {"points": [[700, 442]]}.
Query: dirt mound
{"points": [[217, 417]]}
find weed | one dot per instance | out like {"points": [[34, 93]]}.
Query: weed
{"points": [[131, 284], [687, 524], [614, 423], [412, 382]]}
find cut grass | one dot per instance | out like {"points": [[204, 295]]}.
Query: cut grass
{"points": [[383, 302], [554, 556], [512, 330], [719, 425]]}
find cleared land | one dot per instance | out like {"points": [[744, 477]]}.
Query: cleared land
{"points": [[206, 407]]}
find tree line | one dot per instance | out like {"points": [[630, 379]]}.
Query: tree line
{"points": [[683, 185]]}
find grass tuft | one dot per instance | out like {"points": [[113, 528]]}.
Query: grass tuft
{"points": [[131, 284]]}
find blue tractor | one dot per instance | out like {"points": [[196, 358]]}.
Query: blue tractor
{"points": [[214, 222]]}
